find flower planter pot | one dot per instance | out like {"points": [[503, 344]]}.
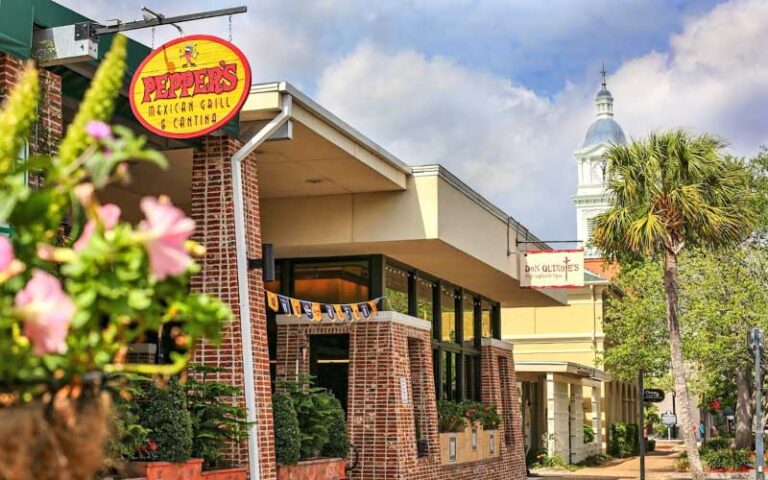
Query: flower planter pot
{"points": [[239, 473], [192, 469], [319, 469]]}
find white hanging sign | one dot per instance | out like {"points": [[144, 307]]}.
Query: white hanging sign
{"points": [[552, 269]]}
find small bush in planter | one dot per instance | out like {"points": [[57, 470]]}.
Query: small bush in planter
{"points": [[215, 421], [450, 417], [726, 459], [164, 412], [338, 438], [287, 434]]}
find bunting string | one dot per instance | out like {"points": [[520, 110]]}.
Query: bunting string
{"points": [[314, 311]]}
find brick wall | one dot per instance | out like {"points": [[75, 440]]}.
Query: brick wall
{"points": [[213, 213], [48, 130], [382, 352]]}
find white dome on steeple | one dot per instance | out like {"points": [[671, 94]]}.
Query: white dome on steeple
{"points": [[605, 129]]}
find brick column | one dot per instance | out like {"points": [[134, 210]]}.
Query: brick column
{"points": [[213, 213], [499, 388]]}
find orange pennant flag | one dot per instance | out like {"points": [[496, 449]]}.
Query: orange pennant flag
{"points": [[272, 301], [317, 312], [372, 305], [355, 311], [339, 312], [296, 306]]}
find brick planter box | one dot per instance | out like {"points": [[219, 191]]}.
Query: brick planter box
{"points": [[240, 473], [471, 445], [320, 469], [190, 470]]}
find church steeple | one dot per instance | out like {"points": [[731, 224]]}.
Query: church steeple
{"points": [[604, 99]]}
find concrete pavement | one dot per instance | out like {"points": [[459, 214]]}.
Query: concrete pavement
{"points": [[658, 466]]}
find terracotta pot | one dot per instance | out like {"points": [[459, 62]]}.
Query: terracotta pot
{"points": [[319, 469], [240, 473], [63, 442], [192, 469]]}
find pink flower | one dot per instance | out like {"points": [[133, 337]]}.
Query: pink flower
{"points": [[98, 130], [109, 215], [47, 312], [165, 230], [6, 254]]}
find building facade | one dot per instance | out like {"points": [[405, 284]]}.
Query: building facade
{"points": [[566, 396]]}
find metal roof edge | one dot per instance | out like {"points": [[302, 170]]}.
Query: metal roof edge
{"points": [[341, 125], [469, 192]]}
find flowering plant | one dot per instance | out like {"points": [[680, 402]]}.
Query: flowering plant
{"points": [[77, 283]]}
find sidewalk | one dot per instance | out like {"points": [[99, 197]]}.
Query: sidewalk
{"points": [[658, 466]]}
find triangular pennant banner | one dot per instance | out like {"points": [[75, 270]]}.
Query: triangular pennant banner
{"points": [[355, 311], [285, 304], [364, 310], [339, 312], [373, 305], [347, 312], [317, 312], [306, 307], [272, 301], [296, 306], [329, 311]]}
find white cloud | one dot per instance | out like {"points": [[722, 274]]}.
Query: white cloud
{"points": [[516, 147]]}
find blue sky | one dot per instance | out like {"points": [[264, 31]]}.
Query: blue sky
{"points": [[501, 92]]}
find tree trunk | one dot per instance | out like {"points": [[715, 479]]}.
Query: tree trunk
{"points": [[744, 408], [687, 427]]}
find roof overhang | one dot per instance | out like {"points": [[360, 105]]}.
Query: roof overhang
{"points": [[569, 368]]}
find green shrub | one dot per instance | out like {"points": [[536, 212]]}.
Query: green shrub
{"points": [[726, 458], [543, 460], [287, 434], [338, 438], [450, 417], [215, 421], [681, 463], [127, 434], [717, 443], [623, 440], [650, 444], [589, 433], [164, 412]]}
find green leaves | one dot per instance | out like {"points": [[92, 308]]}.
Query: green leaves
{"points": [[672, 189], [123, 147]]}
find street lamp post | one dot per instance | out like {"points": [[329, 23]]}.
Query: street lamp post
{"points": [[756, 345]]}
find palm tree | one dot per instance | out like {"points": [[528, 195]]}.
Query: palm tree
{"points": [[669, 191]]}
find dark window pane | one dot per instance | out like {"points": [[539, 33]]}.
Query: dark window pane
{"points": [[424, 299], [468, 316], [448, 314], [472, 372], [338, 282], [396, 289]]}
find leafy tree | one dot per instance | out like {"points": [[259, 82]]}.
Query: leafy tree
{"points": [[670, 191]]}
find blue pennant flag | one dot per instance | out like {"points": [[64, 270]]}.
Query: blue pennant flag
{"points": [[329, 311], [285, 305], [364, 309], [306, 307], [347, 311]]}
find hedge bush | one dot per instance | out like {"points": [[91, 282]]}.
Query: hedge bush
{"points": [[164, 412], [589, 433], [726, 458], [622, 440], [287, 435], [338, 438]]}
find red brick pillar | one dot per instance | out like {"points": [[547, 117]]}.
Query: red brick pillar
{"points": [[499, 388], [213, 213]]}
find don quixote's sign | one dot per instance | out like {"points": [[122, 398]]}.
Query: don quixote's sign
{"points": [[190, 86]]}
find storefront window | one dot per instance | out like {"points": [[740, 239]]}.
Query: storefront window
{"points": [[471, 375], [468, 317], [486, 319], [448, 314], [337, 282], [450, 385], [424, 299], [396, 289]]}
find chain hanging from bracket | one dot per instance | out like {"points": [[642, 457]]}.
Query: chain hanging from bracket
{"points": [[229, 28]]}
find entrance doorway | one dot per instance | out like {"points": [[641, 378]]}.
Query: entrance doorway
{"points": [[329, 363]]}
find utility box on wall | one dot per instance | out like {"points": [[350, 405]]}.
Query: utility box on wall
{"points": [[65, 45]]}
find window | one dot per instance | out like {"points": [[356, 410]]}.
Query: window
{"points": [[332, 282], [447, 314], [449, 375], [486, 319], [425, 307], [472, 376], [396, 289], [468, 318]]}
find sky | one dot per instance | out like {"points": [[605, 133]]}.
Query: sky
{"points": [[502, 92]]}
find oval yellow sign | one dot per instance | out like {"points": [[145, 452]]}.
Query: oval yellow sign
{"points": [[190, 86]]}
